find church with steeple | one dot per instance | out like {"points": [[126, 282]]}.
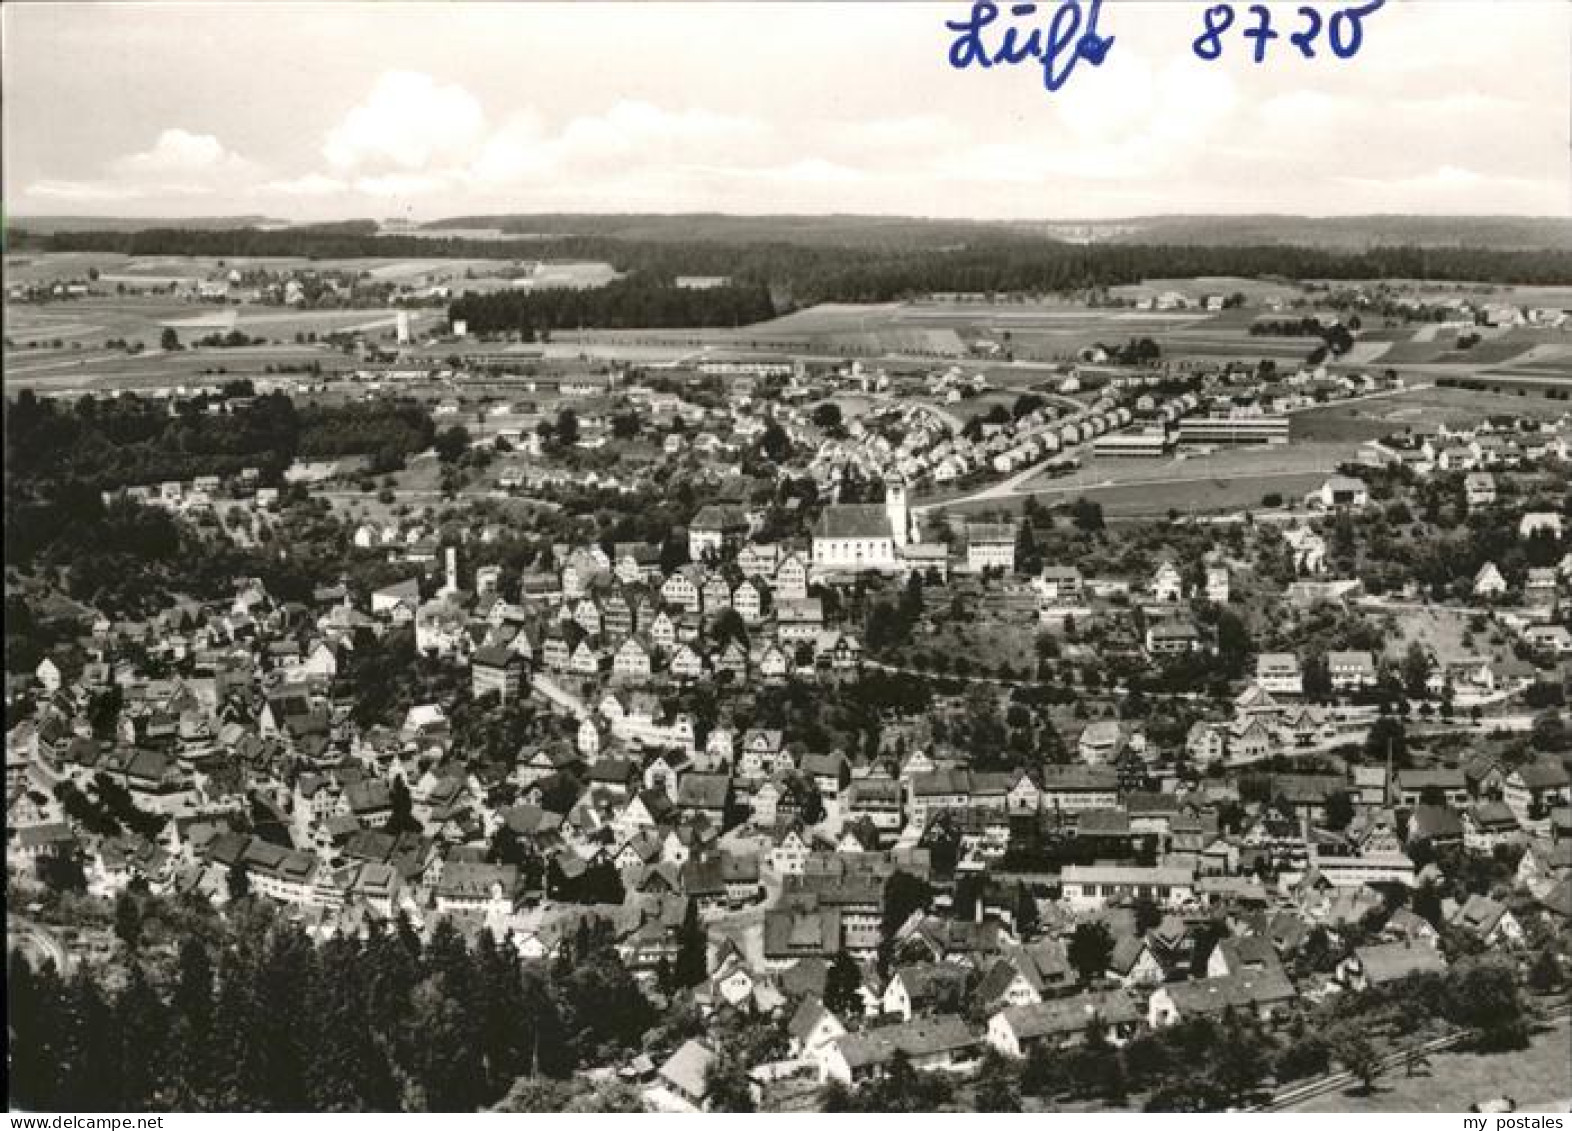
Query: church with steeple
{"points": [[866, 537]]}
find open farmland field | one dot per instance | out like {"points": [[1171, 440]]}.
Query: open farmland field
{"points": [[103, 372], [1224, 480], [1368, 420], [146, 270], [1189, 494], [1443, 632], [1365, 420], [1430, 291], [1536, 1077], [1235, 346], [1256, 291], [1223, 463], [828, 318], [90, 321]]}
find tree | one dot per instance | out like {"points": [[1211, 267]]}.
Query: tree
{"points": [[692, 965], [1233, 643], [1091, 946], [904, 893], [1339, 810], [1240, 1063], [1317, 676], [1308, 1056], [191, 1010], [169, 341], [566, 430], [238, 882], [997, 1088], [1027, 920], [452, 443], [1545, 973], [1426, 904], [1417, 667], [128, 921], [843, 986], [827, 416], [726, 1085], [1387, 736], [775, 444], [1357, 1055], [1042, 1072], [1087, 516], [1549, 733], [1485, 995], [402, 818]]}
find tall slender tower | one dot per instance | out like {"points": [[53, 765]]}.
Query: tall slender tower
{"points": [[895, 508]]}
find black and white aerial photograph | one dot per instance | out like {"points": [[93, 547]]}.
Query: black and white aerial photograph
{"points": [[754, 557]]}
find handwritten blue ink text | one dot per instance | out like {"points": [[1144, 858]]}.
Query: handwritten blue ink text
{"points": [[1069, 36], [1344, 31]]}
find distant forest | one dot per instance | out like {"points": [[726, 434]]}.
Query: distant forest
{"points": [[624, 304], [885, 262], [857, 260]]}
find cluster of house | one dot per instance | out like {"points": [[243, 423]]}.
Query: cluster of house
{"points": [[202, 492], [1479, 450], [263, 781], [262, 774], [1215, 938]]}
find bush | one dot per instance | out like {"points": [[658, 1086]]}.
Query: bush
{"points": [[1307, 1057]]}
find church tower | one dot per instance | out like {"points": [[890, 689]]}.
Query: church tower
{"points": [[450, 572], [895, 509]]}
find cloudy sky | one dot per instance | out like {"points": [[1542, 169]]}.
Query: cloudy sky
{"points": [[308, 111]]}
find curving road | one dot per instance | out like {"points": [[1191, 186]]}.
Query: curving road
{"points": [[37, 941]]}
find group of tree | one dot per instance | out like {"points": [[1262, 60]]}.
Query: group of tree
{"points": [[628, 303], [819, 263], [106, 443], [268, 1021]]}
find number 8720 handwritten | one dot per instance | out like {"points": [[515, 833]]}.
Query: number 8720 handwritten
{"points": [[1345, 30]]}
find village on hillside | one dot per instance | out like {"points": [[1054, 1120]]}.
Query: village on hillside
{"points": [[804, 736]]}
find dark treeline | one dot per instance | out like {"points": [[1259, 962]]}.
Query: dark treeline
{"points": [[113, 442], [267, 1021], [1004, 262], [625, 304], [108, 443]]}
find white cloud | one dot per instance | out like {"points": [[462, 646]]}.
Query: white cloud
{"points": [[808, 171], [635, 133], [1443, 109], [413, 136], [312, 184], [916, 131], [179, 152], [1454, 188], [179, 163], [402, 184], [84, 191], [409, 122]]}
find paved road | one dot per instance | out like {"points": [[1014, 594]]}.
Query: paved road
{"points": [[560, 697]]}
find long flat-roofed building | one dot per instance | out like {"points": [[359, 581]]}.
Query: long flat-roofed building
{"points": [[1149, 443], [1233, 430]]}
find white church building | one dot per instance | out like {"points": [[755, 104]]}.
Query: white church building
{"points": [[866, 537]]}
